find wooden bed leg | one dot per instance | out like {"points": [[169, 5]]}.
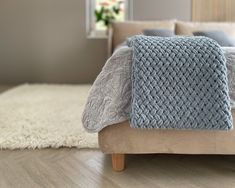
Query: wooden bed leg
{"points": [[118, 162]]}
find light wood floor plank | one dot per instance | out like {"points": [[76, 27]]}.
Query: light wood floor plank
{"points": [[90, 168]]}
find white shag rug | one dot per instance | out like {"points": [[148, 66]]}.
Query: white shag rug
{"points": [[41, 116]]}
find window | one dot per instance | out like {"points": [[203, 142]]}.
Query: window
{"points": [[100, 13]]}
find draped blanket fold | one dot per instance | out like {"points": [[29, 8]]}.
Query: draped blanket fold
{"points": [[179, 83]]}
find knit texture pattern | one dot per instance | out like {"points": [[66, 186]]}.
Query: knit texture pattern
{"points": [[179, 83]]}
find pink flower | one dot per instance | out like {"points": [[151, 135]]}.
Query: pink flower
{"points": [[104, 4]]}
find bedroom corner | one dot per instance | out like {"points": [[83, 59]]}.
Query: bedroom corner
{"points": [[117, 93]]}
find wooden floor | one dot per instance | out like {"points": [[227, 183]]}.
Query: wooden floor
{"points": [[91, 169]]}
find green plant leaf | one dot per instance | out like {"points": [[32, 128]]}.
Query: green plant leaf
{"points": [[99, 14], [107, 14]]}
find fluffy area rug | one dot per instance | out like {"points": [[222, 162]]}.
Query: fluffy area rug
{"points": [[41, 116]]}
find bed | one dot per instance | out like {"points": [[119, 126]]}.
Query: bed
{"points": [[119, 139]]}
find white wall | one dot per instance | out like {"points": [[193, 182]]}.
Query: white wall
{"points": [[161, 9], [45, 40]]}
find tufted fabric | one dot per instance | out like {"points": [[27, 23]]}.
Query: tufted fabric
{"points": [[180, 83]]}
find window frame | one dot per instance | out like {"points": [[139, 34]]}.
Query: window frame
{"points": [[90, 18]]}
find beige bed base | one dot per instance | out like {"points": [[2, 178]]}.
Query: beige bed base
{"points": [[120, 139]]}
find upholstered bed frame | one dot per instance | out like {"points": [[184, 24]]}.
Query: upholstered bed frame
{"points": [[120, 139]]}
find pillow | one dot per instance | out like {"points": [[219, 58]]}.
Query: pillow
{"points": [[159, 32], [221, 37], [187, 28]]}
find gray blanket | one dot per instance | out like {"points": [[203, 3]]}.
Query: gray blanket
{"points": [[110, 96], [179, 83]]}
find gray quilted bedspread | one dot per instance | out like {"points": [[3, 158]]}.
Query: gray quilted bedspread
{"points": [[179, 83], [109, 99]]}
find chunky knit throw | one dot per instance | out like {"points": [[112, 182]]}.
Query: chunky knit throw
{"points": [[179, 83]]}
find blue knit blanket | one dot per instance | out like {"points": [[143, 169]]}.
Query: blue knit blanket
{"points": [[179, 83]]}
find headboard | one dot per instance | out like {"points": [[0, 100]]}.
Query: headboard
{"points": [[122, 30], [119, 31]]}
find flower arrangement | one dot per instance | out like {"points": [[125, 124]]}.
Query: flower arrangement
{"points": [[108, 11]]}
